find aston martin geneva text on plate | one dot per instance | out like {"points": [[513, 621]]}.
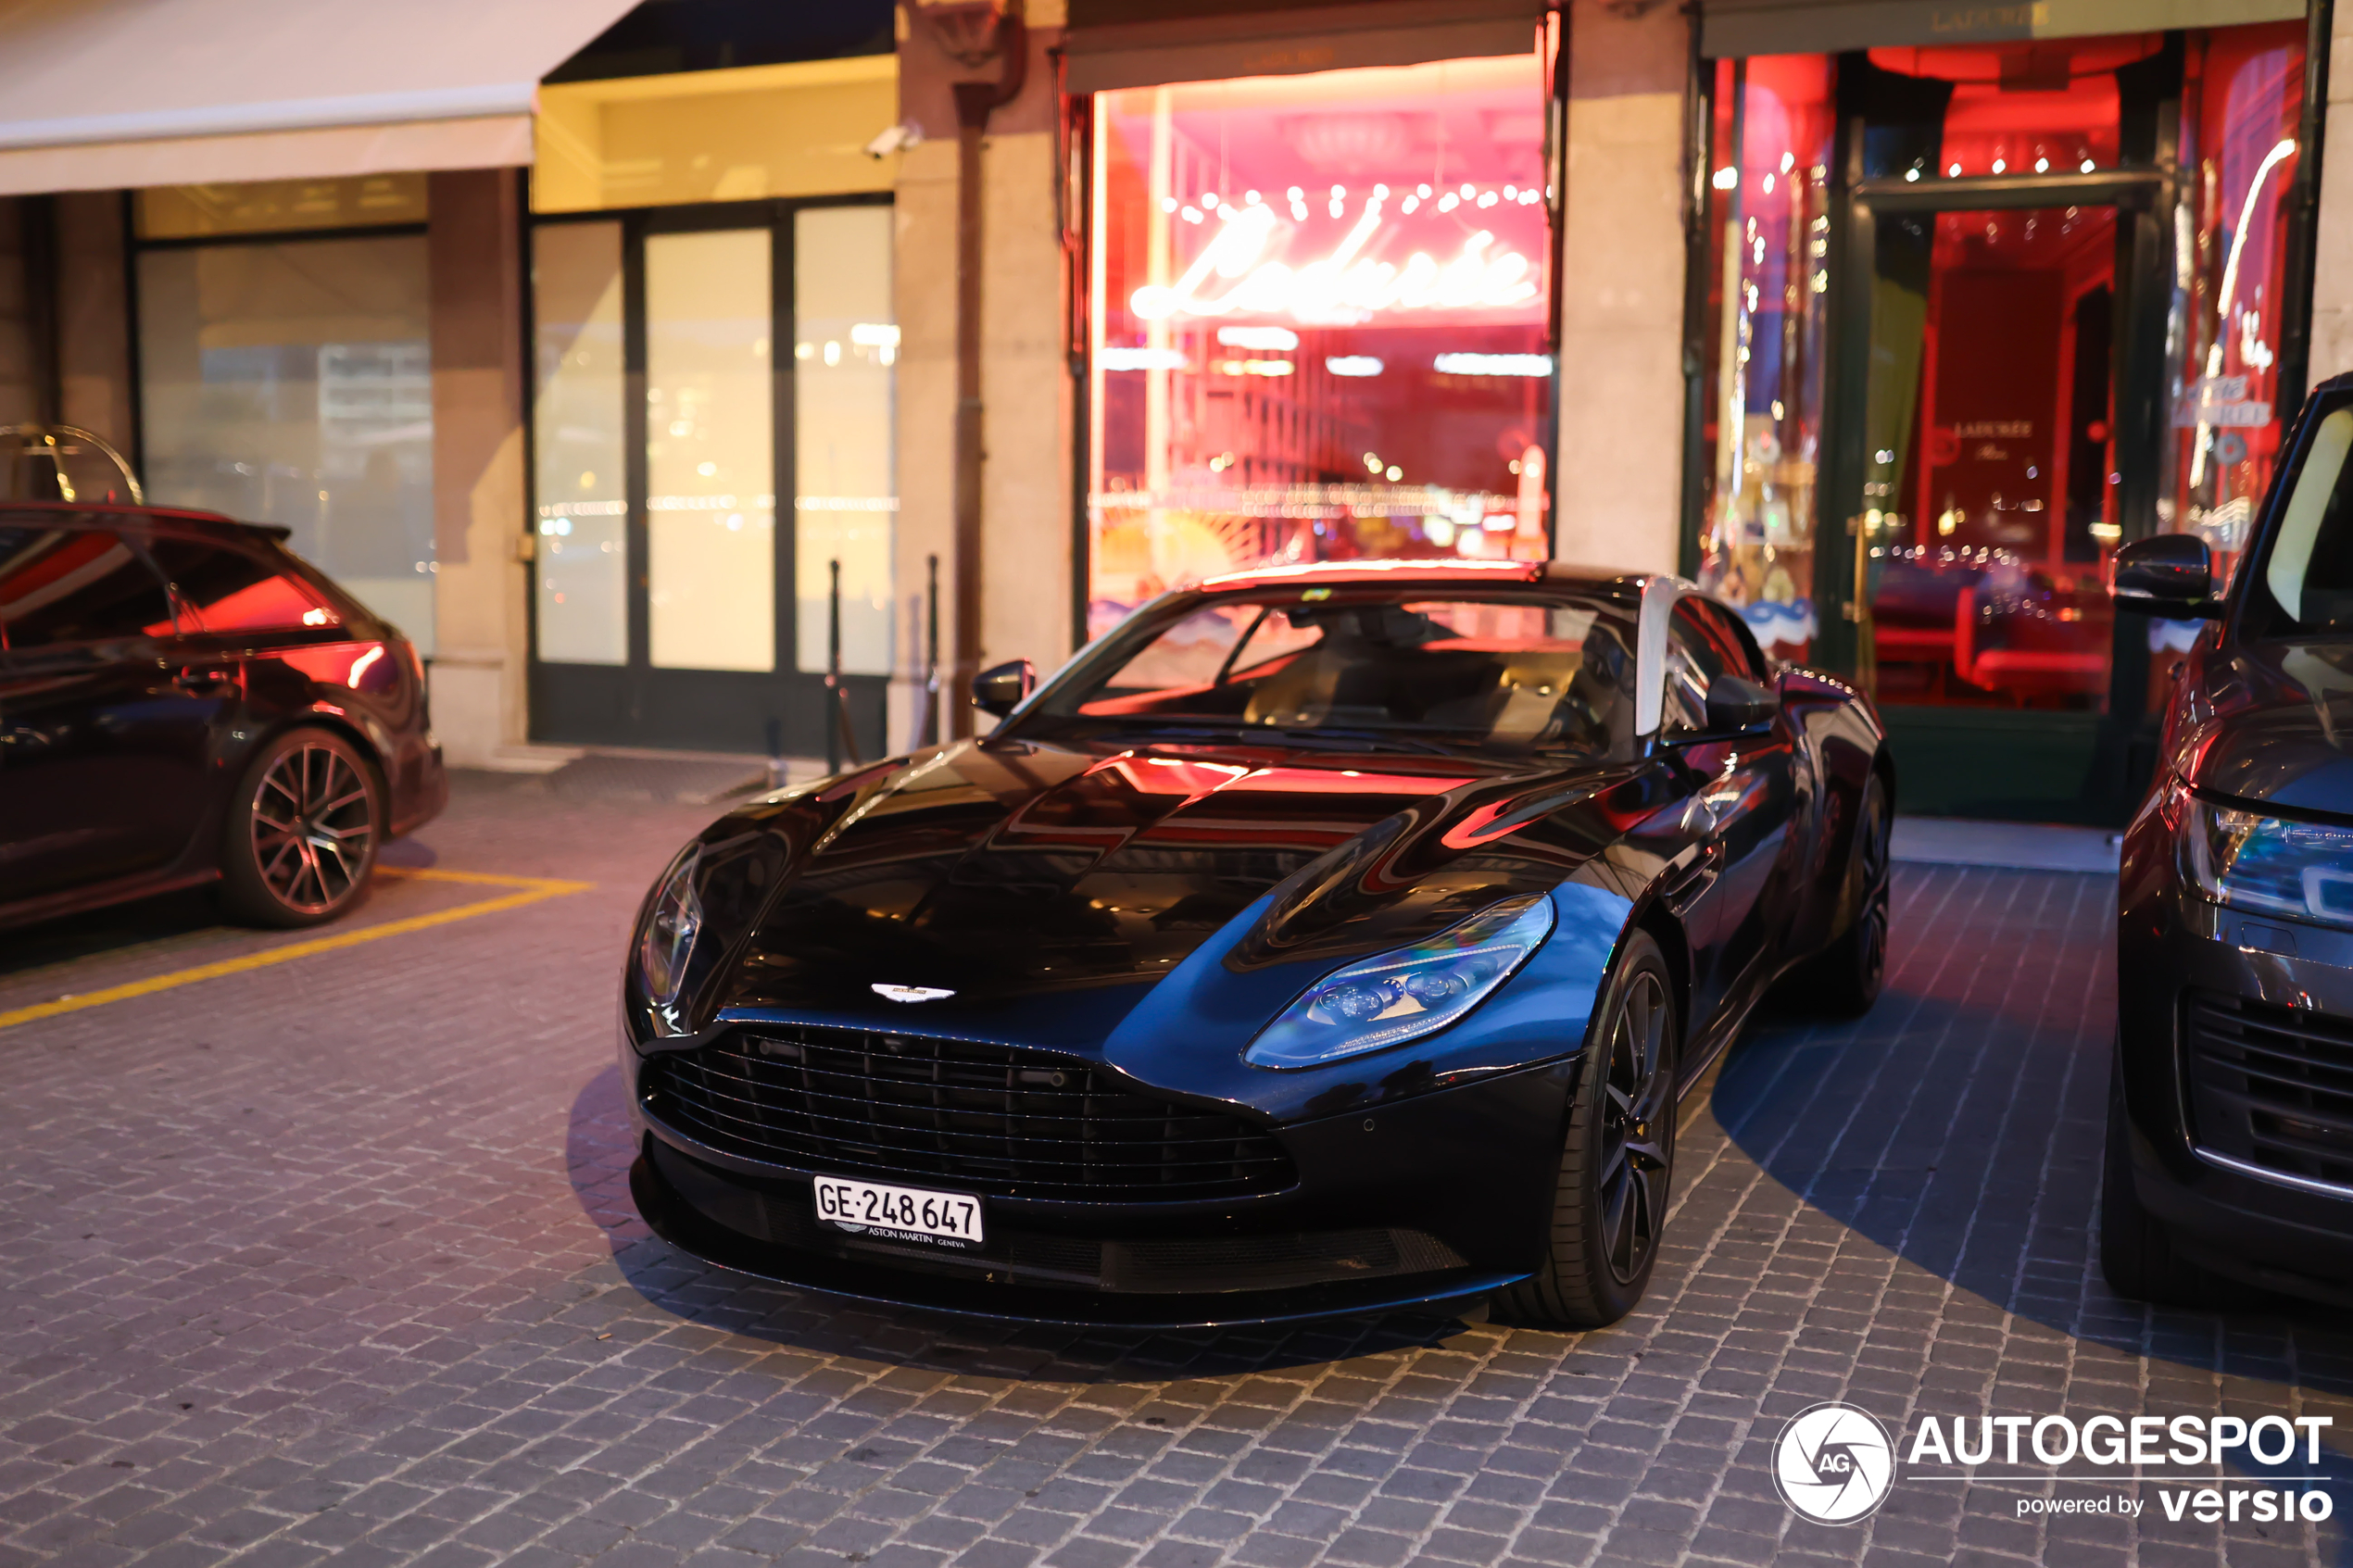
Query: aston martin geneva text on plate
{"points": [[1318, 941]]}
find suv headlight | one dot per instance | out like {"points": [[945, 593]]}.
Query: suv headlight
{"points": [[672, 921], [2269, 865], [1403, 995]]}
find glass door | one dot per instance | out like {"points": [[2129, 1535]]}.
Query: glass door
{"points": [[683, 360], [1986, 491]]}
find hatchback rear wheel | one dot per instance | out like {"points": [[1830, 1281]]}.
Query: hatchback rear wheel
{"points": [[302, 832]]}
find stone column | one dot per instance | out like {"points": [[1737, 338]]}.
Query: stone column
{"points": [[1028, 562], [474, 259], [1618, 466]]}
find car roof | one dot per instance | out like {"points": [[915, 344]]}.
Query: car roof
{"points": [[112, 515]]}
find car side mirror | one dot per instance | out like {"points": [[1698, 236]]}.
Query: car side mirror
{"points": [[1737, 705], [2168, 574], [999, 690]]}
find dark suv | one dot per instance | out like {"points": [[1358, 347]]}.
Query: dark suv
{"points": [[182, 700], [2230, 1149]]}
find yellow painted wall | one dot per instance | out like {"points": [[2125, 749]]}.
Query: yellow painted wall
{"points": [[798, 129]]}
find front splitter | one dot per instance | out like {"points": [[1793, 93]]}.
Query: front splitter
{"points": [[676, 1223]]}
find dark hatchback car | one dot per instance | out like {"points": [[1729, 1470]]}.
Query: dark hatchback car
{"points": [[184, 701], [1317, 941], [2230, 1148]]}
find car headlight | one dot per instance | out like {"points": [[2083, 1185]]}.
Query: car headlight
{"points": [[671, 924], [1403, 995], [2269, 865]]}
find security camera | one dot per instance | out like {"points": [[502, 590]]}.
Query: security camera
{"points": [[898, 139]]}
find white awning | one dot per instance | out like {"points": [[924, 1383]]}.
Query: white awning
{"points": [[103, 95]]}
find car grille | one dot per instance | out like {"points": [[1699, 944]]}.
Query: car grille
{"points": [[2272, 1087], [781, 1212], [994, 1120]]}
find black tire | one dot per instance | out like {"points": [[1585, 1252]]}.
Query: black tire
{"points": [[2136, 1251], [1618, 1161], [1843, 979], [302, 833]]}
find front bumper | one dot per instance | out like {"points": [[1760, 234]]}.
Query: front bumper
{"points": [[2232, 1209], [1430, 1202]]}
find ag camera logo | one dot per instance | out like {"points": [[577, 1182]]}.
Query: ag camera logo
{"points": [[1833, 1463]]}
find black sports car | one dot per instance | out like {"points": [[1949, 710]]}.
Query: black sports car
{"points": [[2230, 1148], [1318, 940], [183, 701]]}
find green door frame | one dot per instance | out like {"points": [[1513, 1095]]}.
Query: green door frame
{"points": [[1968, 761]]}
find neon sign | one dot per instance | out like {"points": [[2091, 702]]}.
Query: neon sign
{"points": [[1343, 287]]}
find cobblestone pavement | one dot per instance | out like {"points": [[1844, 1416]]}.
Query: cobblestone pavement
{"points": [[333, 1261]]}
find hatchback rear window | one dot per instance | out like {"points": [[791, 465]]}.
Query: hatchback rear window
{"points": [[227, 590]]}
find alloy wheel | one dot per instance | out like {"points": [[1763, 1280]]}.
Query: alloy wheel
{"points": [[1638, 1134], [314, 828]]}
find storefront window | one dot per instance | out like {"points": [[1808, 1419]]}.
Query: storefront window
{"points": [[2243, 103], [291, 383], [846, 496], [582, 572], [1770, 207], [1319, 329], [1986, 478]]}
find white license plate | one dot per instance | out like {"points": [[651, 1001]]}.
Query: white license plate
{"points": [[893, 1213]]}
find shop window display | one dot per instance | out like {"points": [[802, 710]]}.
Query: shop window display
{"points": [[1319, 323], [2243, 102], [1770, 207]]}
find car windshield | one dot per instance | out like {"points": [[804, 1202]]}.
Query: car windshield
{"points": [[1515, 673], [2309, 569]]}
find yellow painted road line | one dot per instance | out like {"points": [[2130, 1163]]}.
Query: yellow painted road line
{"points": [[532, 889]]}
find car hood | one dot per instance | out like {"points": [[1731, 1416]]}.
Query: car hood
{"points": [[2273, 722], [1066, 880]]}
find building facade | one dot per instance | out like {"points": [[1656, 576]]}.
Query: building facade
{"points": [[683, 353]]}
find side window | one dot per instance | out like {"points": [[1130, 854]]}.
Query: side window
{"points": [[1695, 658], [228, 590], [65, 585]]}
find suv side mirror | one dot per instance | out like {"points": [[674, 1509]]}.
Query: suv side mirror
{"points": [[1737, 705], [2168, 574], [999, 690]]}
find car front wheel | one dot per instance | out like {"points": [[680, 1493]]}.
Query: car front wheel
{"points": [[302, 832], [1618, 1161]]}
